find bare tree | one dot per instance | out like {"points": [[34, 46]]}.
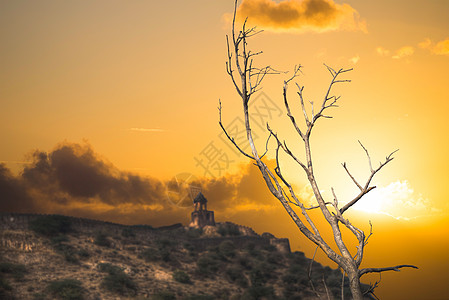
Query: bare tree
{"points": [[247, 80]]}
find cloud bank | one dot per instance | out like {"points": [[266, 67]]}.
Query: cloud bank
{"points": [[301, 15], [74, 180]]}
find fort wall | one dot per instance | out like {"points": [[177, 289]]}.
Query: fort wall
{"points": [[20, 221]]}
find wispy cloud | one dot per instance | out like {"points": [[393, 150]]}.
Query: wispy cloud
{"points": [[147, 129], [440, 48], [382, 51], [426, 44], [404, 52], [300, 15], [354, 60]]}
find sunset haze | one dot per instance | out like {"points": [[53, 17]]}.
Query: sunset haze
{"points": [[109, 111]]}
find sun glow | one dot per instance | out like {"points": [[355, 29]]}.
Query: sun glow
{"points": [[370, 204], [398, 200]]}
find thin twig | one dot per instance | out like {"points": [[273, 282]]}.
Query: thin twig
{"points": [[309, 274]]}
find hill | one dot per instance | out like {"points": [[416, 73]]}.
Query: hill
{"points": [[59, 257]]}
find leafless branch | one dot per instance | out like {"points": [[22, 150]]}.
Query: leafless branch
{"points": [[370, 233], [303, 106], [296, 71], [317, 206], [309, 274], [372, 287], [228, 136], [325, 287], [289, 113], [288, 185], [352, 177], [366, 188], [335, 200], [379, 270], [356, 199], [266, 146], [331, 101], [369, 158]]}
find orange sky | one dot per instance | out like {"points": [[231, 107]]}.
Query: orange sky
{"points": [[129, 91]]}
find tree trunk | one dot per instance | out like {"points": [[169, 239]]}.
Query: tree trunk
{"points": [[354, 285]]}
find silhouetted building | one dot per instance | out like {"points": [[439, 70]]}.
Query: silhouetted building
{"points": [[201, 216]]}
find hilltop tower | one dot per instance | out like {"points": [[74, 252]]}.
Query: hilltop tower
{"points": [[201, 216]]}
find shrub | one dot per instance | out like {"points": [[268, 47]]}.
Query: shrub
{"points": [[39, 296], [181, 276], [108, 268], [165, 254], [256, 254], [117, 281], [150, 255], [67, 289], [245, 262], [296, 275], [120, 283], [165, 248], [16, 270], [200, 297], [260, 274], [51, 225], [146, 227], [58, 243], [207, 265], [165, 243], [4, 285], [259, 292], [128, 232], [270, 248], [227, 249], [298, 257], [274, 258], [164, 295], [59, 239], [191, 249], [83, 253], [229, 229], [101, 239], [250, 246], [194, 233], [235, 274], [298, 269], [5, 289]]}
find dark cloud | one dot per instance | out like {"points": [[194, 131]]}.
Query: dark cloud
{"points": [[300, 15], [13, 195], [77, 172], [74, 180]]}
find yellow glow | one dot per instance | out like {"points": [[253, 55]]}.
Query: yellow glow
{"points": [[140, 82]]}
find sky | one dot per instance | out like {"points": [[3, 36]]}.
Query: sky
{"points": [[109, 111]]}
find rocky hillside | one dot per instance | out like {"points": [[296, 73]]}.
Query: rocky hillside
{"points": [[58, 257]]}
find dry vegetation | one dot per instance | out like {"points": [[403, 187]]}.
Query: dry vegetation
{"points": [[54, 260]]}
